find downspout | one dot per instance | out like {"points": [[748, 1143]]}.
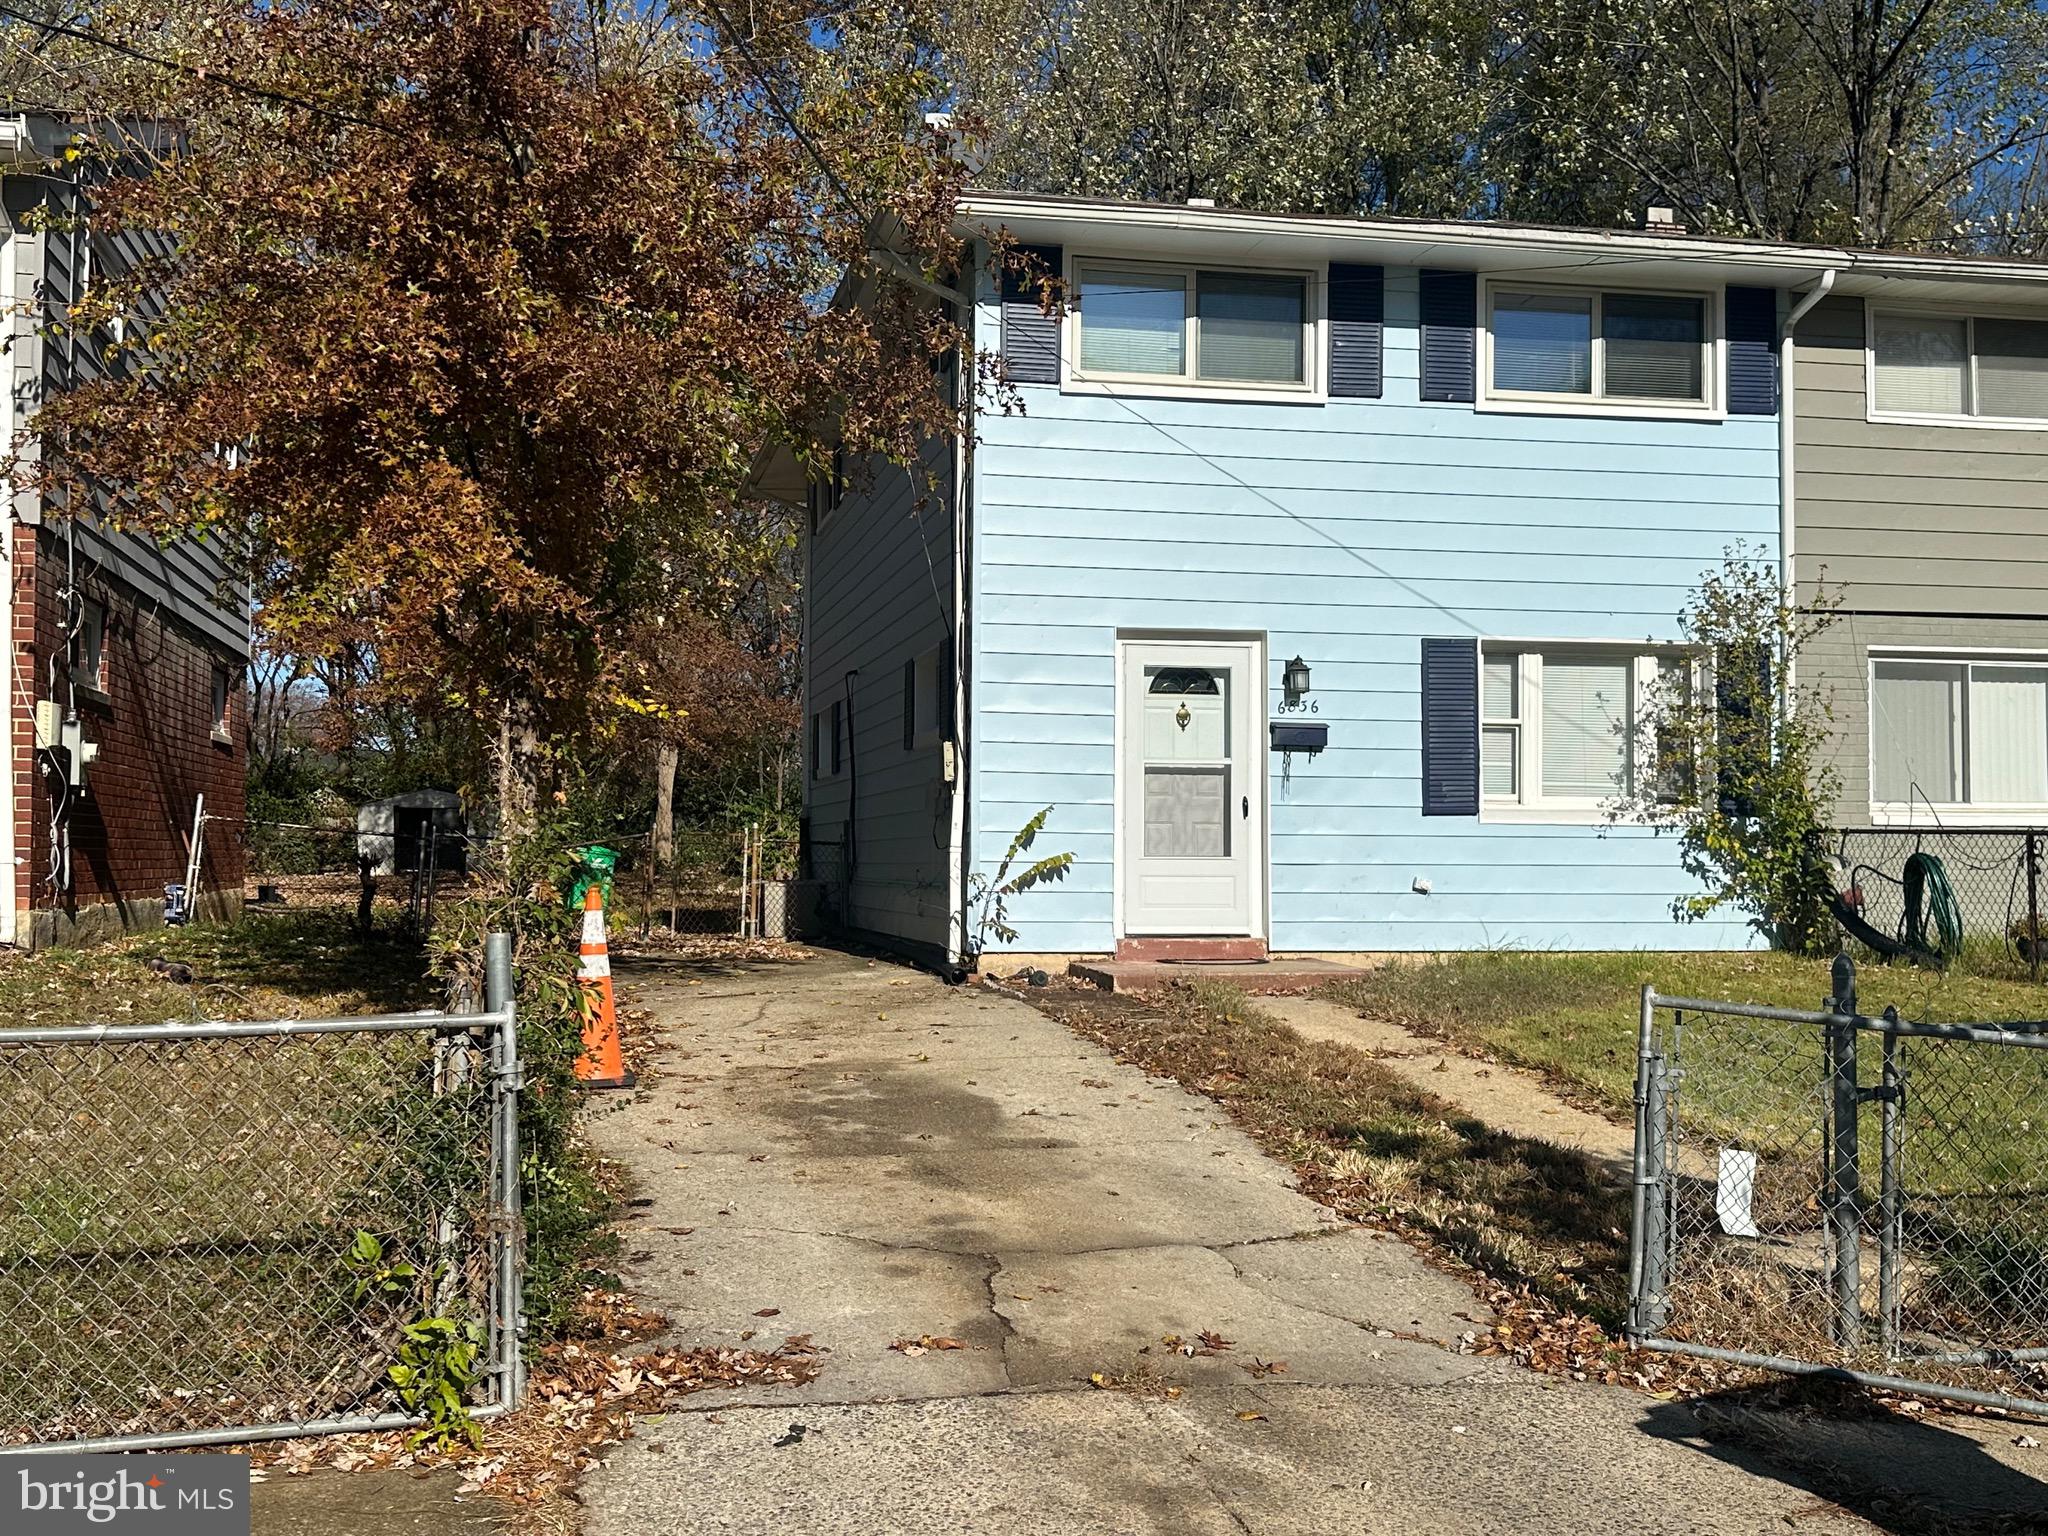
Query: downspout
{"points": [[1788, 494], [963, 470]]}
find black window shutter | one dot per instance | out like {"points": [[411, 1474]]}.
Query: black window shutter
{"points": [[1357, 323], [1450, 727], [910, 704], [1742, 721], [1752, 351], [838, 733], [1031, 338], [1450, 311], [815, 718]]}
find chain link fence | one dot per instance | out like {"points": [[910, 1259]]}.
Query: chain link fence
{"points": [[389, 881], [1969, 895], [1832, 1193], [739, 882], [216, 1232]]}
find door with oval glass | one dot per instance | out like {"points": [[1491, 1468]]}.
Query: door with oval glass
{"points": [[1192, 795]]}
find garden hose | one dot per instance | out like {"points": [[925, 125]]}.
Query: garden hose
{"points": [[1928, 893]]}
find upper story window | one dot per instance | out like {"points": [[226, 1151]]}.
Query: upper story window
{"points": [[89, 656], [1959, 367], [827, 491], [1952, 734], [1598, 347], [222, 693], [1193, 326]]}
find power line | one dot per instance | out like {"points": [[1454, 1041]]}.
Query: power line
{"points": [[197, 71]]}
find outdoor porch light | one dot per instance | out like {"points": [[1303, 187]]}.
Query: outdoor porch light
{"points": [[1294, 681]]}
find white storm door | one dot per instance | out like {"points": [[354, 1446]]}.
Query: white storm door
{"points": [[1192, 797]]}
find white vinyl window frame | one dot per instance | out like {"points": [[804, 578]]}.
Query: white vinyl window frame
{"points": [[1313, 389], [1930, 812], [929, 698], [1969, 418], [826, 493], [89, 669], [1713, 405], [221, 687], [828, 741], [1529, 804]]}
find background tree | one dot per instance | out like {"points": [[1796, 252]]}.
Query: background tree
{"points": [[495, 303], [1876, 122]]}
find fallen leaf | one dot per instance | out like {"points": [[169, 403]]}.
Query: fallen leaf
{"points": [[769, 1312], [1249, 1414]]}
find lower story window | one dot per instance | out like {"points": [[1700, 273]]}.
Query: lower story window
{"points": [[1952, 733], [1565, 727]]}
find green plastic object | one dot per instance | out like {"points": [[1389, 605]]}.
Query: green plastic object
{"points": [[1928, 894], [594, 866]]}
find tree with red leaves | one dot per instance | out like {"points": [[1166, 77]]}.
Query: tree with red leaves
{"points": [[473, 313]]}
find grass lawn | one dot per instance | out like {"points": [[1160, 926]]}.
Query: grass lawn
{"points": [[1574, 1015], [299, 964], [176, 1221]]}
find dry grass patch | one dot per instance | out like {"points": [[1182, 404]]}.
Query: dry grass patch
{"points": [[1366, 1142]]}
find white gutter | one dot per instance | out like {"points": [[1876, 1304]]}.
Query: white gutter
{"points": [[1788, 494], [1420, 239]]}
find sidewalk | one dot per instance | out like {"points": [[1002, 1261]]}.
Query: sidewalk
{"points": [[853, 1151]]}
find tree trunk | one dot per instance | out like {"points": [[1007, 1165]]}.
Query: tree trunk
{"points": [[665, 758], [518, 768]]}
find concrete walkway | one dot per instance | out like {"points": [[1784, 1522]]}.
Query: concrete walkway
{"points": [[851, 1150], [1504, 1097]]}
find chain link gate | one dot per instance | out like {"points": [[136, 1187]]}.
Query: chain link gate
{"points": [[218, 1232], [1826, 1193]]}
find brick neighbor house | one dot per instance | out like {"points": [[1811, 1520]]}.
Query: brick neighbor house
{"points": [[126, 698]]}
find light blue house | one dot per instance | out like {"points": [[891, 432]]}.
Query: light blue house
{"points": [[1464, 475]]}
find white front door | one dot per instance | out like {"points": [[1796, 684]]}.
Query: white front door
{"points": [[1192, 797]]}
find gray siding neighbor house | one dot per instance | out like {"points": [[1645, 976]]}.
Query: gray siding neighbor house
{"points": [[1920, 496]]}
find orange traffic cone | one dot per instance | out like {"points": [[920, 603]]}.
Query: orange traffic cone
{"points": [[601, 1065]]}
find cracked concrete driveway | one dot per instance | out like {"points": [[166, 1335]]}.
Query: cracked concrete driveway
{"points": [[875, 1156]]}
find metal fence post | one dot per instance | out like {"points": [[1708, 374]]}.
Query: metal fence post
{"points": [[1648, 1247], [2033, 905], [1891, 1195], [1844, 1172], [499, 997]]}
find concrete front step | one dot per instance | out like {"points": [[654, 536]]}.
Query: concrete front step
{"points": [[1267, 975]]}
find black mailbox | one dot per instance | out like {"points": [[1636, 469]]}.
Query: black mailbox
{"points": [[1300, 736]]}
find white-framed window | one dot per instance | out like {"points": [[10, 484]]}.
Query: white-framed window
{"points": [[1980, 370], [1958, 735], [223, 693], [828, 740], [1160, 325], [1564, 726], [827, 491], [1601, 349], [927, 700], [89, 646]]}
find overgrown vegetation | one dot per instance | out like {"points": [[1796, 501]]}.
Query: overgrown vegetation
{"points": [[990, 895], [1736, 748], [522, 888]]}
